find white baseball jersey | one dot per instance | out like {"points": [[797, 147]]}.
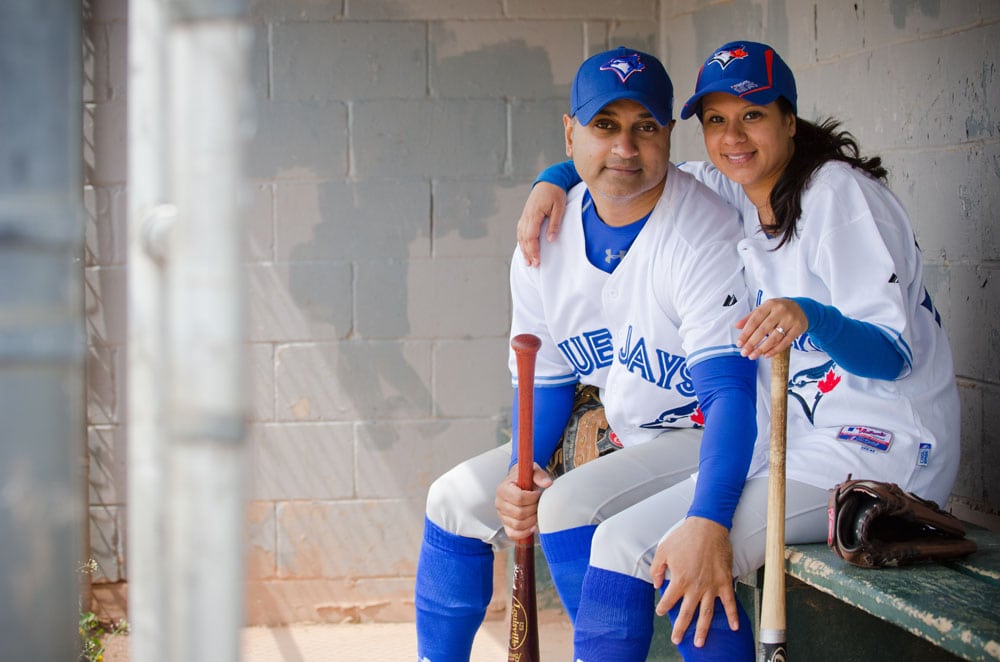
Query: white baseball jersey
{"points": [[855, 250], [672, 301]]}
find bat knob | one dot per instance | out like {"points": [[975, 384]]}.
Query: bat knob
{"points": [[526, 342]]}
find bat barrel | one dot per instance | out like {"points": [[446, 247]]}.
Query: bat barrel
{"points": [[526, 348]]}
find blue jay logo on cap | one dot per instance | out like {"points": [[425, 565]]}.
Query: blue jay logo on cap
{"points": [[724, 57], [624, 66]]}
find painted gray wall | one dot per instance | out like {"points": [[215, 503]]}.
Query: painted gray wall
{"points": [[396, 142]]}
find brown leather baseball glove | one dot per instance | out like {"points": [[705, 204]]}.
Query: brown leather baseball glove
{"points": [[586, 436], [875, 525]]}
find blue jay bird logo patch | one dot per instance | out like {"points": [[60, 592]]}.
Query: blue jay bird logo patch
{"points": [[818, 381], [690, 411], [624, 66], [723, 58]]}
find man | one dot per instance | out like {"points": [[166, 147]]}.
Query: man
{"points": [[639, 299]]}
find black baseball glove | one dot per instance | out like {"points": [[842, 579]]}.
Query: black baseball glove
{"points": [[875, 525]]}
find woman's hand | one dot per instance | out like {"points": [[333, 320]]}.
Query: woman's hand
{"points": [[699, 556], [518, 509], [545, 200], [770, 328]]}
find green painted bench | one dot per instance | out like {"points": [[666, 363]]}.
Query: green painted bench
{"points": [[939, 611]]}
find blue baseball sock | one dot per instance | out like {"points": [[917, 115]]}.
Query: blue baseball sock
{"points": [[721, 644], [615, 619], [568, 554], [453, 588]]}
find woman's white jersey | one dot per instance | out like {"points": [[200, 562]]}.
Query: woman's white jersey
{"points": [[855, 249]]}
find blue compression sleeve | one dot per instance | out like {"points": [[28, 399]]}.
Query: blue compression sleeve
{"points": [[858, 347], [727, 395], [563, 175], [552, 408]]}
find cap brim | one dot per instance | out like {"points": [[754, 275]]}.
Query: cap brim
{"points": [[587, 111], [757, 96]]}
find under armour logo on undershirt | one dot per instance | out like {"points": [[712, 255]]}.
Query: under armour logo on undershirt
{"points": [[610, 257]]}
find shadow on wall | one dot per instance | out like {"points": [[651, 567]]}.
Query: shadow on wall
{"points": [[402, 269], [387, 233]]}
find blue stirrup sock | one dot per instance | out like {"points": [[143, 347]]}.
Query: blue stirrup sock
{"points": [[721, 644], [567, 554], [615, 619], [453, 588]]}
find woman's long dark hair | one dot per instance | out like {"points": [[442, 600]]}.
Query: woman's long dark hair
{"points": [[815, 144]]}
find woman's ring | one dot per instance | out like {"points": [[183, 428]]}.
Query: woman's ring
{"points": [[779, 330]]}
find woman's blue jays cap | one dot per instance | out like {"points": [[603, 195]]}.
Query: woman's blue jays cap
{"points": [[745, 69], [622, 73]]}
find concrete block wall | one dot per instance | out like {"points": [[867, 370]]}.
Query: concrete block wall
{"points": [[104, 169], [395, 144]]}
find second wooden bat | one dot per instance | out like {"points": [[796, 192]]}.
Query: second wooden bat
{"points": [[772, 610]]}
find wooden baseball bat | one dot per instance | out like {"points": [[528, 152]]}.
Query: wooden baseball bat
{"points": [[772, 609], [523, 642]]}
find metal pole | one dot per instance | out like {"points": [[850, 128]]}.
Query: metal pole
{"points": [[208, 54], [148, 222], [42, 344]]}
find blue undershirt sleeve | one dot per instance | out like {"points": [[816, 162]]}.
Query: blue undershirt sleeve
{"points": [[563, 175], [727, 395], [858, 347], [551, 409]]}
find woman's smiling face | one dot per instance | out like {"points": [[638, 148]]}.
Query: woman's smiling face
{"points": [[750, 144]]}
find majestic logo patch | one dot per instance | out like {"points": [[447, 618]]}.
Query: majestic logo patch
{"points": [[730, 301], [726, 57], [872, 438], [624, 66]]}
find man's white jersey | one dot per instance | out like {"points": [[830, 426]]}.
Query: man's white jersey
{"points": [[855, 250], [673, 301]]}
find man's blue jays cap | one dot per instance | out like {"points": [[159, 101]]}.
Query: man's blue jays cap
{"points": [[622, 73], [745, 69]]}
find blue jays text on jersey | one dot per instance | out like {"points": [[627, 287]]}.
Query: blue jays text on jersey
{"points": [[588, 351], [593, 350], [666, 370]]}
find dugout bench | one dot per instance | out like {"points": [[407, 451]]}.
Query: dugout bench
{"points": [[836, 612], [935, 612]]}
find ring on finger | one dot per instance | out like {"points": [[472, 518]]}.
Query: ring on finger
{"points": [[779, 329]]}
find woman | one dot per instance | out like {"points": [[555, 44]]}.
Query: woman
{"points": [[835, 274]]}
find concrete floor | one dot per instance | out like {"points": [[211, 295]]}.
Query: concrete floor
{"points": [[370, 642]]}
